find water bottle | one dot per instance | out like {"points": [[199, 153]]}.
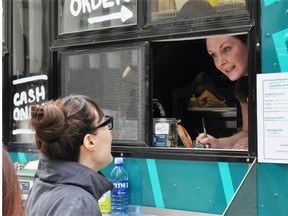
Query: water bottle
{"points": [[119, 195]]}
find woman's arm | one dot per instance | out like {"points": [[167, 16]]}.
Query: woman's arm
{"points": [[240, 139], [236, 141]]}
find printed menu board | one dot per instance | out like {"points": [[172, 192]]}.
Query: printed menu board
{"points": [[272, 114]]}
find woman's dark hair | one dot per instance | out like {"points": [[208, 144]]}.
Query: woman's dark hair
{"points": [[242, 38], [241, 85], [11, 194], [241, 89], [61, 125]]}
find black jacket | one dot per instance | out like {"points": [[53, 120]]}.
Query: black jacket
{"points": [[66, 188]]}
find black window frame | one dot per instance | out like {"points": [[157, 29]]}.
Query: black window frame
{"points": [[142, 32]]}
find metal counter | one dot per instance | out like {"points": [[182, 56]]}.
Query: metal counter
{"points": [[150, 211]]}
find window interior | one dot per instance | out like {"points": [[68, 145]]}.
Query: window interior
{"points": [[183, 75]]}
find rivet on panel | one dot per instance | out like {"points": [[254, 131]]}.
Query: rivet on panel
{"points": [[286, 36]]}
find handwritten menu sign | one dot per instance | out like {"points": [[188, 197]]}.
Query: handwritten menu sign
{"points": [[77, 7], [162, 128], [29, 90], [81, 15], [272, 113]]}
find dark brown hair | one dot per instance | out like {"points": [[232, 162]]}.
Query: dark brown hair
{"points": [[242, 38], [61, 125], [11, 194], [241, 85]]}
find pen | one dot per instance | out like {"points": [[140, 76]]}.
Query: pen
{"points": [[204, 128]]}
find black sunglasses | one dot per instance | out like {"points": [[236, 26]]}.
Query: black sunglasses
{"points": [[108, 121]]}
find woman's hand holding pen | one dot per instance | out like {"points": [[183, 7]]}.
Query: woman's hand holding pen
{"points": [[207, 140], [212, 142]]}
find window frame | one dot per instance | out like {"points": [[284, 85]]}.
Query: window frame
{"points": [[142, 32]]}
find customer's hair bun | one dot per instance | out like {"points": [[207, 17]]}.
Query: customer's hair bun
{"points": [[48, 121]]}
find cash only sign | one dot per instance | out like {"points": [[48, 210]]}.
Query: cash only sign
{"points": [[83, 15]]}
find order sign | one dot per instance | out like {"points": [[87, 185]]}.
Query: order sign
{"points": [[272, 114], [83, 15]]}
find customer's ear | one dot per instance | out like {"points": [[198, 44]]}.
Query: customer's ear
{"points": [[88, 142]]}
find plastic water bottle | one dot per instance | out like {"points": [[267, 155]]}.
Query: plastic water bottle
{"points": [[119, 195]]}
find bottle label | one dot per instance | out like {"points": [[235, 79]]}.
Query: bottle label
{"points": [[119, 198], [105, 202], [160, 140], [120, 188]]}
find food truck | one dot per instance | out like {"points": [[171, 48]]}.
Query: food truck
{"points": [[146, 63]]}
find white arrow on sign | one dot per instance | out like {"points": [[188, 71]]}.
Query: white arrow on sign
{"points": [[124, 15]]}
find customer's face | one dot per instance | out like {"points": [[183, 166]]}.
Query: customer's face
{"points": [[103, 139], [230, 56]]}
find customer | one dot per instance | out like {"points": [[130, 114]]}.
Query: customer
{"points": [[11, 194], [74, 139], [230, 55]]}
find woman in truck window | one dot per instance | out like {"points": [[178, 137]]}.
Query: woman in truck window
{"points": [[230, 55], [74, 138]]}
